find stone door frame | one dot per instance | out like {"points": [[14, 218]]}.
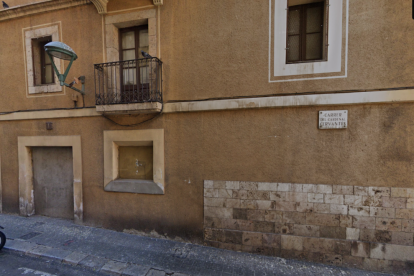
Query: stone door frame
{"points": [[26, 191]]}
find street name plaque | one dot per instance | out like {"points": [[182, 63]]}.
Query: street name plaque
{"points": [[333, 119]]}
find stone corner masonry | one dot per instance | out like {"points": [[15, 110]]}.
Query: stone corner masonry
{"points": [[363, 227]]}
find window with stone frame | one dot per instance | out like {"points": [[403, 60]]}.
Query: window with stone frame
{"points": [[306, 29]]}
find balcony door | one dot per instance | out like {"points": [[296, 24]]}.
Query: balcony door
{"points": [[134, 68]]}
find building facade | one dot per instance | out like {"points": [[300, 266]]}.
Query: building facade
{"points": [[221, 136]]}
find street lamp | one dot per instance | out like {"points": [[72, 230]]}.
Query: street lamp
{"points": [[62, 51]]}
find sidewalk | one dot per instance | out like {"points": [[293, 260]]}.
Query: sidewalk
{"points": [[125, 254]]}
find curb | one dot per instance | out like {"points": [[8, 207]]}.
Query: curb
{"points": [[92, 262]]}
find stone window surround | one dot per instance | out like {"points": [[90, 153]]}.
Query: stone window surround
{"points": [[52, 30], [113, 139], [26, 191], [137, 18], [335, 33]]}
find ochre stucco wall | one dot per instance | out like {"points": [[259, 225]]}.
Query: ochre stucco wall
{"points": [[213, 49], [222, 49], [269, 145], [218, 50], [85, 41]]}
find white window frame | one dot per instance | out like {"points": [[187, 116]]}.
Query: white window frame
{"points": [[37, 32], [333, 64]]}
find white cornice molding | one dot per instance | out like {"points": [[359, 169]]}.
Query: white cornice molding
{"points": [[354, 98], [374, 97], [45, 6]]}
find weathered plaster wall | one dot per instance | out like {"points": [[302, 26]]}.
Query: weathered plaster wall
{"points": [[222, 49], [268, 145], [218, 49], [86, 42]]}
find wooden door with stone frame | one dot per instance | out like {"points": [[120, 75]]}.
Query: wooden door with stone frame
{"points": [[134, 68]]}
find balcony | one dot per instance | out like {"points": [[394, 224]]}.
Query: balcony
{"points": [[128, 87]]}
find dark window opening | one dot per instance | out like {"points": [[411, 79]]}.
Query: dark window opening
{"points": [[305, 33], [134, 75], [42, 66]]}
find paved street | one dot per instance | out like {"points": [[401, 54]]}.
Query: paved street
{"points": [[63, 248], [12, 264]]}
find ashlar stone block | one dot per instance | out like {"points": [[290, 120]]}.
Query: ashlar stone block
{"points": [[360, 191], [358, 211], [352, 233], [306, 230], [379, 191], [284, 187], [304, 207], [322, 219], [272, 240], [407, 225], [388, 224], [316, 198], [343, 190], [360, 249], [394, 202], [334, 199], [309, 188], [345, 221], [278, 196], [296, 197], [294, 217], [399, 192], [338, 209], [353, 200], [402, 238], [382, 212], [273, 216], [404, 213], [373, 201], [266, 186], [219, 184], [248, 204], [298, 188], [292, 242], [232, 185], [324, 189], [410, 203], [248, 186], [321, 208], [332, 232], [252, 238], [285, 206], [372, 235], [392, 252], [223, 193], [363, 222]]}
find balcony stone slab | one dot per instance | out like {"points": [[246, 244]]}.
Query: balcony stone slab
{"points": [[131, 108]]}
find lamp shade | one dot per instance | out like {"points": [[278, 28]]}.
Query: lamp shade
{"points": [[60, 50]]}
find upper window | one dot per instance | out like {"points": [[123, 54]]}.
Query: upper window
{"points": [[40, 76], [133, 40], [42, 66], [308, 39], [305, 29]]}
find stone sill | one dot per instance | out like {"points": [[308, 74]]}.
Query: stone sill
{"points": [[136, 186], [132, 108]]}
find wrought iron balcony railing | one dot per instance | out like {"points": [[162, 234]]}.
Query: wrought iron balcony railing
{"points": [[130, 81]]}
